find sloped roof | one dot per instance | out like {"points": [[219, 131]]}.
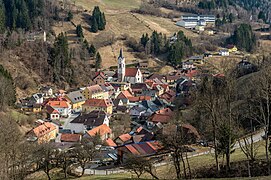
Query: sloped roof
{"points": [[100, 130], [162, 116], [51, 110], [139, 98], [98, 103], [94, 118], [110, 142], [125, 137], [100, 74], [75, 97], [58, 104], [95, 88], [143, 148], [43, 129], [124, 95], [70, 137], [131, 72]]}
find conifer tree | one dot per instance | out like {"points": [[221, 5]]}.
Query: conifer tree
{"points": [[2, 17], [98, 61]]}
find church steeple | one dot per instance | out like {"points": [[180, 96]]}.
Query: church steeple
{"points": [[121, 67]]}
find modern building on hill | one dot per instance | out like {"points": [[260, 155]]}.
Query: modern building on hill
{"points": [[191, 21]]}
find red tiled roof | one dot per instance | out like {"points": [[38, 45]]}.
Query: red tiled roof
{"points": [[98, 103], [142, 149], [43, 129], [99, 74], [191, 73], [70, 137], [139, 98], [95, 88], [101, 130], [58, 104], [125, 137], [132, 149], [51, 110], [124, 95], [130, 72], [162, 116], [110, 142]]}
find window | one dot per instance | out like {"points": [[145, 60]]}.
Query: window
{"points": [[53, 116]]}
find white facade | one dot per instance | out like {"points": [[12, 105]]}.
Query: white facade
{"points": [[134, 80], [224, 53], [54, 116], [63, 111]]}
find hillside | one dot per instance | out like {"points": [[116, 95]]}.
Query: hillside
{"points": [[120, 23]]}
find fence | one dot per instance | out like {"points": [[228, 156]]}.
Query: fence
{"points": [[101, 172]]}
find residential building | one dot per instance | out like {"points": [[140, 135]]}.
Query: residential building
{"points": [[99, 78], [232, 48], [47, 91], [95, 92], [224, 52], [161, 116], [191, 21], [71, 138], [37, 98], [76, 99], [52, 113], [105, 105], [63, 107], [43, 133], [89, 121], [103, 131]]}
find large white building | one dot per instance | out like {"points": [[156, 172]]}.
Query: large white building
{"points": [[191, 21], [131, 75]]}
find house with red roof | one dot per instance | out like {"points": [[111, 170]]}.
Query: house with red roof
{"points": [[62, 106], [142, 149], [162, 116], [52, 113], [96, 92], [123, 139], [99, 78], [103, 131], [43, 133], [105, 105], [70, 138]]}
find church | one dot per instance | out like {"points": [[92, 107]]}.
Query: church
{"points": [[131, 75]]}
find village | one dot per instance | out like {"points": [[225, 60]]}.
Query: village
{"points": [[126, 109]]}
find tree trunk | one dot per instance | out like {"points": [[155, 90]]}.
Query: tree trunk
{"points": [[184, 166], [188, 166], [215, 146], [176, 160]]}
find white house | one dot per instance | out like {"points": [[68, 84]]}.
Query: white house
{"points": [[37, 98], [224, 52], [63, 107], [53, 114], [86, 122], [131, 75]]}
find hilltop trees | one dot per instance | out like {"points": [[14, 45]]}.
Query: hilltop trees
{"points": [[244, 38], [98, 61], [98, 20]]}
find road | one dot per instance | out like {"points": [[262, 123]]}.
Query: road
{"points": [[67, 124], [256, 138]]}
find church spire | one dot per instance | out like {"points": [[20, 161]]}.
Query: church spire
{"points": [[121, 56]]}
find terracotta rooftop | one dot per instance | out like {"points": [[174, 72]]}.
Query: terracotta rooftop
{"points": [[70, 137], [95, 88], [110, 142], [98, 103], [100, 74], [43, 129], [58, 104], [100, 130], [125, 137], [139, 98], [131, 72], [124, 94]]}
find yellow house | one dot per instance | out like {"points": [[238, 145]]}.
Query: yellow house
{"points": [[76, 99], [95, 92], [44, 133], [105, 105], [37, 108], [232, 48]]}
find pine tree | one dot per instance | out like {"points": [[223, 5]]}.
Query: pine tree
{"points": [[98, 61], [79, 31], [70, 16], [94, 25], [92, 50]]}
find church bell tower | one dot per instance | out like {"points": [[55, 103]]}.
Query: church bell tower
{"points": [[121, 67]]}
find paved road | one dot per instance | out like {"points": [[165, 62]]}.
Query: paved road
{"points": [[256, 138], [67, 124]]}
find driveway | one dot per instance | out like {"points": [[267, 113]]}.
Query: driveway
{"points": [[67, 124]]}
